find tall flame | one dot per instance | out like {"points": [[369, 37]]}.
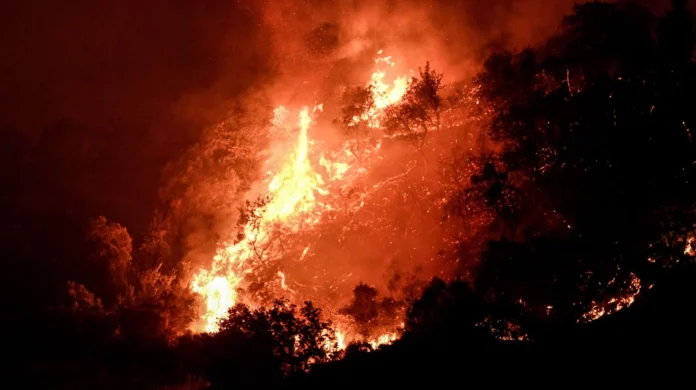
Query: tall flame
{"points": [[291, 203], [292, 194]]}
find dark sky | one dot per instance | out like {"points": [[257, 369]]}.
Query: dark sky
{"points": [[135, 80]]}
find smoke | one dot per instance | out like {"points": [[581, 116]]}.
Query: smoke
{"points": [[145, 80], [316, 37]]}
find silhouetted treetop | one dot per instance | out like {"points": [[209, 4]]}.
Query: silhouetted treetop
{"points": [[296, 339], [596, 154]]}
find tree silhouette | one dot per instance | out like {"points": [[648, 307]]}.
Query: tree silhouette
{"points": [[111, 251], [370, 315], [596, 147], [364, 309], [358, 121], [296, 340], [419, 110], [447, 310]]}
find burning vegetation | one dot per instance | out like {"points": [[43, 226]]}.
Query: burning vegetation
{"points": [[364, 207], [279, 230]]}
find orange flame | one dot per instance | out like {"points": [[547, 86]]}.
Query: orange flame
{"points": [[292, 191], [383, 94]]}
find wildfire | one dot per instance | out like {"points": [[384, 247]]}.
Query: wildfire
{"points": [[383, 94], [291, 204], [292, 194], [342, 340], [297, 196], [614, 304], [384, 339]]}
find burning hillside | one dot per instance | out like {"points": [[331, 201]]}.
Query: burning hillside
{"points": [[316, 197]]}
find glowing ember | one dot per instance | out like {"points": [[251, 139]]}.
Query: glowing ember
{"points": [[342, 340], [614, 304]]}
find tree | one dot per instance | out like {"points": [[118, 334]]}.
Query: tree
{"points": [[358, 121], [364, 309], [296, 340], [595, 148], [156, 247], [418, 112], [371, 316], [203, 189], [111, 255], [156, 306], [147, 303]]}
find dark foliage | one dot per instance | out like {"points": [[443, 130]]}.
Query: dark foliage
{"points": [[261, 347], [371, 315], [597, 155]]}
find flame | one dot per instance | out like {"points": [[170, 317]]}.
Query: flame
{"points": [[336, 169], [689, 249], [220, 296], [383, 94], [384, 339], [341, 340], [292, 193], [293, 189]]}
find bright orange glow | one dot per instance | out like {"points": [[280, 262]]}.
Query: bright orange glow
{"points": [[384, 339], [292, 194], [293, 191], [384, 94]]}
